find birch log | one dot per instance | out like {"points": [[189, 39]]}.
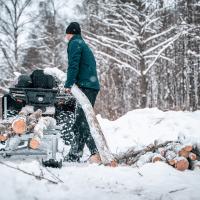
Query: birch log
{"points": [[43, 124], [33, 119], [97, 134], [170, 156]]}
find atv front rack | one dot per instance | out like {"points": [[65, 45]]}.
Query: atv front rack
{"points": [[35, 96]]}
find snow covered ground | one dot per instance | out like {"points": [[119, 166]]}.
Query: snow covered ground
{"points": [[137, 128], [142, 127]]}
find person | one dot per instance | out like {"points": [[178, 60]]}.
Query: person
{"points": [[82, 72]]}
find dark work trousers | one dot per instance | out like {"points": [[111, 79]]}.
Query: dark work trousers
{"points": [[81, 129]]}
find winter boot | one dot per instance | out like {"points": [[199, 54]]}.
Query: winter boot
{"points": [[95, 158]]}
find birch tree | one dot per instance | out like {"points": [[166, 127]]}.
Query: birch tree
{"points": [[140, 38], [47, 48], [14, 20]]}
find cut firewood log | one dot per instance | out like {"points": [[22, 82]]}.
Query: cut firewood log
{"points": [[34, 143], [30, 127], [184, 153], [170, 157], [3, 137], [19, 125], [171, 146], [187, 148], [157, 157], [43, 124], [33, 119], [95, 129], [192, 156], [181, 149], [113, 163], [23, 123], [181, 163], [177, 146], [162, 151]]}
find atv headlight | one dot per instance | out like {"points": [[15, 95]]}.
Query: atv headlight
{"points": [[40, 99]]}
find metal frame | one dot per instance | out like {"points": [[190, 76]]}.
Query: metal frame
{"points": [[48, 148]]}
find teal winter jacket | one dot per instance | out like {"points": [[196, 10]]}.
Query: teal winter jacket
{"points": [[81, 65]]}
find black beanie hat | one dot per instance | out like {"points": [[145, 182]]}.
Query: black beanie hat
{"points": [[73, 28]]}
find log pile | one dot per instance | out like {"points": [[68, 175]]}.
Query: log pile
{"points": [[24, 123], [43, 124], [178, 155]]}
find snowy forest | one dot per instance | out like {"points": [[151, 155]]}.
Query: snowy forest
{"points": [[148, 51], [141, 141]]}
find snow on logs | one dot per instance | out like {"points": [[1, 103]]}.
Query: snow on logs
{"points": [[23, 123], [178, 155], [43, 124]]}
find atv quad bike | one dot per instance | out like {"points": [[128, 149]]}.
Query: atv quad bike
{"points": [[42, 94], [32, 99]]}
